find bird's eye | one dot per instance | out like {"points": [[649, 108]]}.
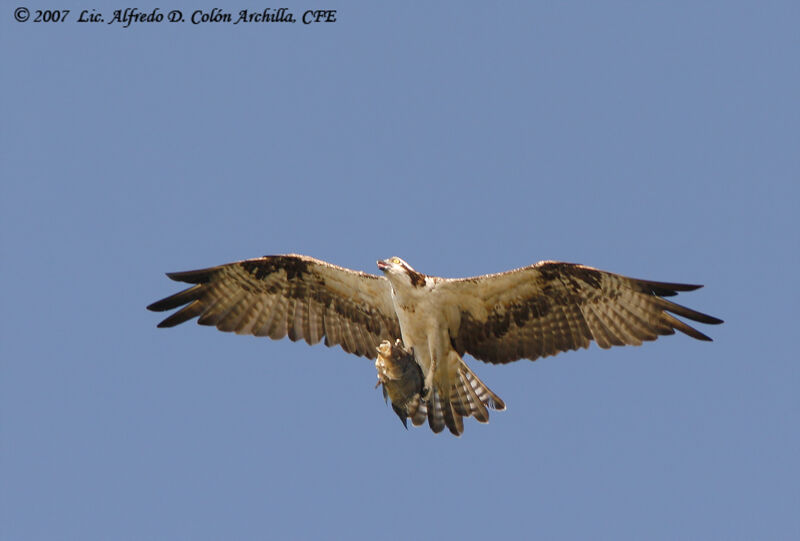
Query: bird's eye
{"points": [[395, 261]]}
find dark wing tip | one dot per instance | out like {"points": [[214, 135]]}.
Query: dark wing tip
{"points": [[182, 297], [677, 324], [186, 313], [161, 306], [694, 333], [694, 315], [666, 289], [174, 301], [192, 277]]}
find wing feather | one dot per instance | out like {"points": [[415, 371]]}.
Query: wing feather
{"points": [[598, 329], [234, 313], [551, 307], [621, 326], [190, 311], [249, 318], [293, 295], [264, 319], [316, 326], [637, 320], [277, 328]]}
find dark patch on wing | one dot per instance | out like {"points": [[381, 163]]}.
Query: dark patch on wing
{"points": [[534, 307], [569, 273], [260, 269], [499, 337], [499, 322]]}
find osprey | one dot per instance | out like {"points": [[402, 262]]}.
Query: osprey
{"points": [[526, 313]]}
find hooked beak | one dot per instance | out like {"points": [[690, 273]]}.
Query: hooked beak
{"points": [[382, 265]]}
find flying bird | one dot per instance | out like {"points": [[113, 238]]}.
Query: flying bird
{"points": [[526, 313]]}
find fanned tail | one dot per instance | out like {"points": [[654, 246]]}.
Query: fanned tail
{"points": [[402, 380], [468, 397]]}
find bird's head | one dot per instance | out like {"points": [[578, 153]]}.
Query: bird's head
{"points": [[393, 265], [396, 269]]}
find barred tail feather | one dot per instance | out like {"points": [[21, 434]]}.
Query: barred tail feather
{"points": [[457, 391], [484, 393], [468, 396], [417, 410], [436, 418]]}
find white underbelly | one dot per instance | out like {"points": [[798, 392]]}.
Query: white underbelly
{"points": [[423, 335], [423, 327]]}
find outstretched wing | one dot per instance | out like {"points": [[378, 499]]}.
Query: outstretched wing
{"points": [[551, 307], [293, 295]]}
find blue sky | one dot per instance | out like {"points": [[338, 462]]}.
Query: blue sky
{"points": [[655, 141]]}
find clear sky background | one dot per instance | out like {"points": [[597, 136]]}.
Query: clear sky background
{"points": [[658, 141]]}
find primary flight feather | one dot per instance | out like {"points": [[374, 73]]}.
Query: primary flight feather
{"points": [[527, 313]]}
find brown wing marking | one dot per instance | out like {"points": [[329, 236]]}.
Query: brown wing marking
{"points": [[288, 295], [552, 307]]}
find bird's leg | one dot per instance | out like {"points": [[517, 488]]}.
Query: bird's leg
{"points": [[427, 388]]}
